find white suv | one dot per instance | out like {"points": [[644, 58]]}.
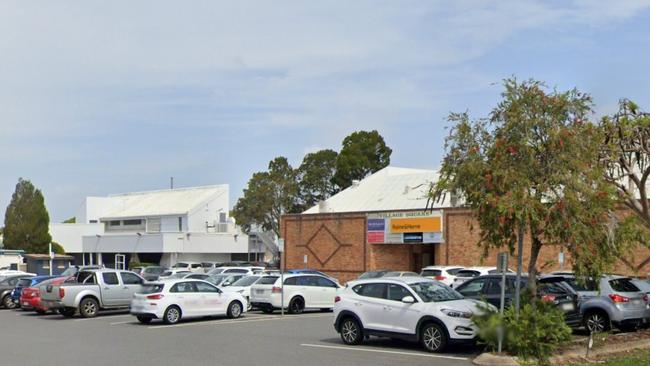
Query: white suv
{"points": [[301, 291], [411, 308], [444, 274]]}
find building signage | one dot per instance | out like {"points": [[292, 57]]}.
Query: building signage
{"points": [[406, 227]]}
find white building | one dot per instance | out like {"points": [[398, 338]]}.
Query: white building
{"points": [[165, 226]]}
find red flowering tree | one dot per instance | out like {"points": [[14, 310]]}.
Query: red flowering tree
{"points": [[531, 169]]}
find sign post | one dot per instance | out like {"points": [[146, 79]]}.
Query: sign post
{"points": [[502, 267], [51, 257], [281, 250]]}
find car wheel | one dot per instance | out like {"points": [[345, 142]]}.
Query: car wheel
{"points": [[350, 331], [434, 338], [68, 313], [88, 308], [144, 319], [172, 315], [267, 310], [7, 302], [296, 306], [234, 310], [596, 322]]}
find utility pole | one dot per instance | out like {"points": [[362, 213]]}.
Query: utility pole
{"points": [[171, 182]]}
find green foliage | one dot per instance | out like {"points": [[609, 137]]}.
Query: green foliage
{"points": [[533, 165], [625, 157], [141, 264], [363, 153], [535, 334], [315, 176], [71, 220], [637, 358], [27, 220], [57, 248], [268, 196]]}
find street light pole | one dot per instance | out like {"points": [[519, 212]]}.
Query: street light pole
{"points": [[51, 257]]}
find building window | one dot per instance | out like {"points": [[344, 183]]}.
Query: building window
{"points": [[93, 221], [180, 224], [153, 225], [132, 222], [114, 223]]}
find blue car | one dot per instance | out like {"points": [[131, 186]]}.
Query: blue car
{"points": [[26, 282]]}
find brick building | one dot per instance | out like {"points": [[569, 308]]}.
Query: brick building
{"points": [[386, 222]]}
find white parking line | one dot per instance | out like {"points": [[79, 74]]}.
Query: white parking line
{"points": [[261, 318], [365, 349], [104, 317], [126, 322]]}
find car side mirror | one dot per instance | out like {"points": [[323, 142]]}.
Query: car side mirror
{"points": [[408, 300], [227, 283]]}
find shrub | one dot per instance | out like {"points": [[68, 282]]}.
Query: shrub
{"points": [[140, 264], [535, 334]]}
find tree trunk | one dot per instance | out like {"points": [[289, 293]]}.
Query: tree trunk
{"points": [[532, 266]]}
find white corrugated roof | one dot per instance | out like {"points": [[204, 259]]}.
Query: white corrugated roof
{"points": [[391, 188], [177, 201]]}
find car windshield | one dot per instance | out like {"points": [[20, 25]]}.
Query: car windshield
{"points": [[24, 282], [217, 279], [467, 273], [431, 272], [152, 288], [136, 270], [268, 280], [216, 271], [435, 292], [453, 271], [246, 281], [372, 275], [180, 265], [166, 274], [69, 272], [582, 285]]}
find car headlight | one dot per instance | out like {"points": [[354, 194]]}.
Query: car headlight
{"points": [[457, 313]]}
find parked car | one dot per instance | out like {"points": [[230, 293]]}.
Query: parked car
{"points": [[552, 289], [196, 276], [225, 279], [301, 291], [73, 270], [230, 270], [372, 274], [174, 300], [466, 274], [208, 266], [7, 285], [189, 266], [172, 272], [92, 291], [311, 271], [149, 273], [243, 287], [444, 274], [11, 272], [401, 274], [611, 301], [23, 283], [410, 308], [32, 295]]}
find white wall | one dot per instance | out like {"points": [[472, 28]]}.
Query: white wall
{"points": [[208, 212], [8, 259], [92, 208], [169, 224], [169, 259], [70, 235]]}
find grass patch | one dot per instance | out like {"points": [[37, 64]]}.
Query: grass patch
{"points": [[635, 358]]}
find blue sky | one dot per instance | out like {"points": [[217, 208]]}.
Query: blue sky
{"points": [[99, 98]]}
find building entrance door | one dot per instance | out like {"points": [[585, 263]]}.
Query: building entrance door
{"points": [[423, 255]]}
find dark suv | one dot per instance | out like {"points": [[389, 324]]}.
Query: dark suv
{"points": [[552, 289]]}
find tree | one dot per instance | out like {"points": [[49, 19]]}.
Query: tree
{"points": [[267, 197], [315, 176], [531, 169], [363, 153], [27, 220], [71, 220], [625, 156]]}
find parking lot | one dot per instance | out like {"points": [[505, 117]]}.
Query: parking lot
{"points": [[255, 339]]}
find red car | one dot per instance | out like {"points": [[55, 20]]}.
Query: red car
{"points": [[31, 296]]}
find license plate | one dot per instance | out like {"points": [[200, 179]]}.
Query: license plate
{"points": [[636, 302]]}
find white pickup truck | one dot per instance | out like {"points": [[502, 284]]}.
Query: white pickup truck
{"points": [[92, 291]]}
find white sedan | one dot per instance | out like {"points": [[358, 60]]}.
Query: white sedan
{"points": [[243, 286], [174, 300]]}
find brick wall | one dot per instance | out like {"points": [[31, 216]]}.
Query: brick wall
{"points": [[336, 244]]}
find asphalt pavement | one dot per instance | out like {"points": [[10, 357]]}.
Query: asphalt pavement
{"points": [[256, 339]]}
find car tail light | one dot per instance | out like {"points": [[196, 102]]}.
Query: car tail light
{"points": [[337, 299], [618, 298], [548, 298], [276, 290], [645, 298], [61, 292], [440, 278], [155, 297]]}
